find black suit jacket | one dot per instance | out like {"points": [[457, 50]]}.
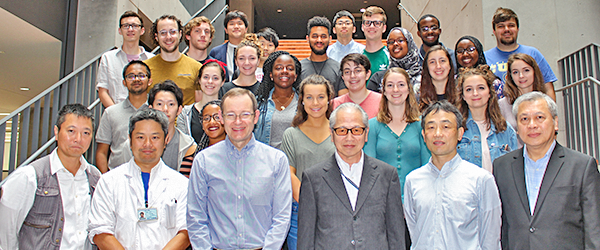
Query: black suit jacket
{"points": [[567, 210], [326, 219]]}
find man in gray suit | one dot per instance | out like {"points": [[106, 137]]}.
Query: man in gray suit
{"points": [[550, 194], [350, 201]]}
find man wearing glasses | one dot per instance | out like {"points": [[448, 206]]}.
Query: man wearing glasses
{"points": [[450, 203], [429, 30], [109, 84], [112, 130], [240, 191], [373, 25], [350, 201], [172, 64], [343, 27]]}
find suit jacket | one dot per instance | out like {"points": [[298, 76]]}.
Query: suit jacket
{"points": [[220, 53], [326, 219], [567, 210]]}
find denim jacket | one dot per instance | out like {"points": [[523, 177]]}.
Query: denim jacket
{"points": [[262, 130], [469, 148]]}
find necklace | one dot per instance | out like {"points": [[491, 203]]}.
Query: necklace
{"points": [[315, 67], [283, 106]]}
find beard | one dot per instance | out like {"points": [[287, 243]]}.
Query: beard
{"points": [[510, 41], [319, 52], [138, 92], [175, 47]]}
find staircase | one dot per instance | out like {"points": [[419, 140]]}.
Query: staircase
{"points": [[299, 47]]}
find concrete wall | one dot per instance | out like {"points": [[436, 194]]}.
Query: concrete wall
{"points": [[98, 22]]}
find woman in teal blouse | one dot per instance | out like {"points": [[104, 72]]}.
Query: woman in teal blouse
{"points": [[395, 134]]}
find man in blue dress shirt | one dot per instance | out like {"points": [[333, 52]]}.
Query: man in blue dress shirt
{"points": [[240, 191]]}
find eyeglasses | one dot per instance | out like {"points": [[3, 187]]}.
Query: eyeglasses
{"points": [[131, 77], [469, 50], [164, 33], [354, 131], [342, 23], [356, 71], [368, 23], [245, 116], [399, 41], [126, 26], [432, 28], [215, 116]]}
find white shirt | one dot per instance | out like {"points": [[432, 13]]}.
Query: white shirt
{"points": [[230, 59], [486, 158], [110, 72], [120, 193], [19, 194], [455, 208], [354, 173]]}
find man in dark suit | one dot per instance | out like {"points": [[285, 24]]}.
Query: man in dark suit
{"points": [[350, 201], [550, 194], [236, 26]]}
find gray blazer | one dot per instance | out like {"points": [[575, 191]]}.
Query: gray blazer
{"points": [[567, 212], [325, 216]]}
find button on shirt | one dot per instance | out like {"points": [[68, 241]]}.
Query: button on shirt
{"points": [[534, 174], [19, 194], [338, 51], [239, 199], [354, 173], [455, 208]]}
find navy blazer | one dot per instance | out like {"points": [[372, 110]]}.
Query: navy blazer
{"points": [[220, 53], [567, 211]]}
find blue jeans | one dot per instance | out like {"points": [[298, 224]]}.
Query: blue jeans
{"points": [[292, 238]]}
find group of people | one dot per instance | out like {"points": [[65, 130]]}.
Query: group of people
{"points": [[355, 147]]}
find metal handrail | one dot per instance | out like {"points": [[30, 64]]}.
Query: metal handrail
{"points": [[577, 51], [584, 80], [401, 7]]}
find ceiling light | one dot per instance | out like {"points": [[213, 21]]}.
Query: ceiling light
{"points": [[362, 10], [365, 1], [24, 89], [279, 10], [284, 35]]}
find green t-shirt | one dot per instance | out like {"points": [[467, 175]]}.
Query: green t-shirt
{"points": [[380, 60]]}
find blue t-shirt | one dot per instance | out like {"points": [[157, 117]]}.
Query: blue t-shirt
{"points": [[498, 59]]}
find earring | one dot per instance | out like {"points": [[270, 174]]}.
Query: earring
{"points": [[302, 103]]}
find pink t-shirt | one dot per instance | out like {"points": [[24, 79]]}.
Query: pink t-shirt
{"points": [[370, 104]]}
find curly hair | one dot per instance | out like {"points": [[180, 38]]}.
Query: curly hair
{"points": [[314, 79], [411, 110], [205, 140], [197, 21], [262, 94], [250, 40], [492, 113], [511, 90], [428, 93], [163, 17]]}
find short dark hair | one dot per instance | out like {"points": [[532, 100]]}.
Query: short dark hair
{"points": [[318, 21], [357, 58], [503, 15], [268, 34], [343, 13], [445, 106], [168, 86], [130, 13], [136, 62], [163, 17], [426, 16], [149, 114], [76, 109], [234, 14]]}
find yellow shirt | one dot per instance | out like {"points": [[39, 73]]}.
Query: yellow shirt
{"points": [[184, 72]]}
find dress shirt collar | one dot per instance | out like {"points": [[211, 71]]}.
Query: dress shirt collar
{"points": [[56, 163], [345, 167], [546, 157], [448, 167], [231, 148], [122, 53]]}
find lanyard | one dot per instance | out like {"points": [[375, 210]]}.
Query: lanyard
{"points": [[146, 183], [348, 179]]}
